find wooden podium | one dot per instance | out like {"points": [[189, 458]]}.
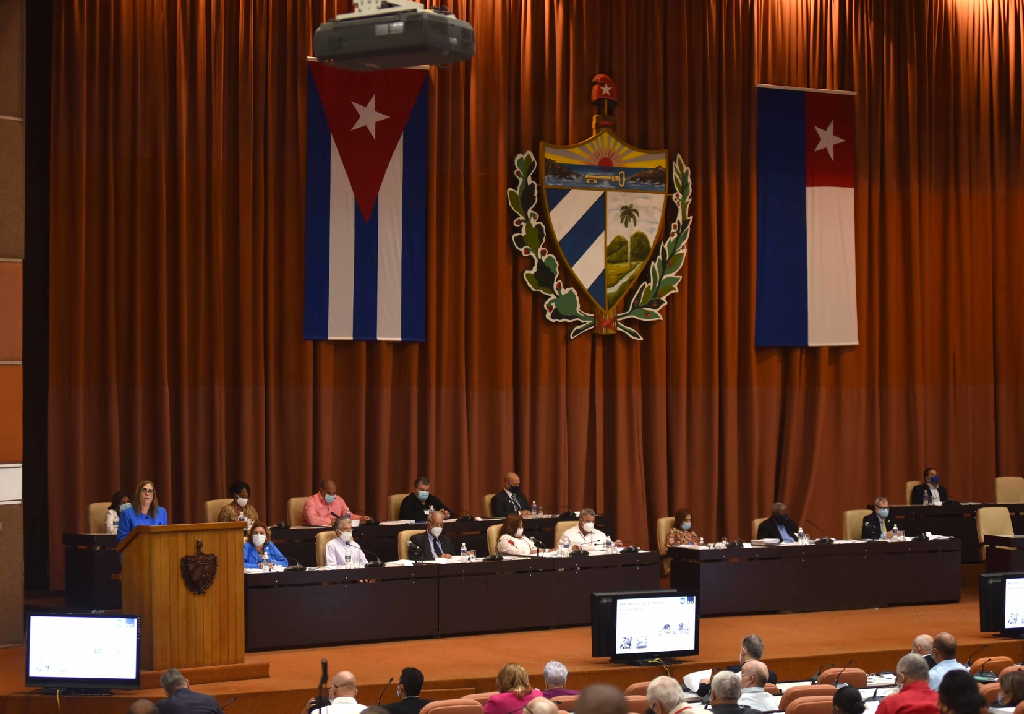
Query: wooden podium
{"points": [[179, 627]]}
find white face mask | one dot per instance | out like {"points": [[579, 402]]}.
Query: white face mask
{"points": [[346, 536], [588, 527], [258, 539], [519, 532], [436, 531], [241, 502]]}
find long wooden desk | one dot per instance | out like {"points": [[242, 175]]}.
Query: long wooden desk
{"points": [[956, 520], [798, 578], [327, 607]]}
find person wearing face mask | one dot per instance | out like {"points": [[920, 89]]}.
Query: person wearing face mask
{"points": [[343, 550], [511, 498], [914, 696], [410, 684], [240, 508], [877, 524], [511, 540], [929, 492], [432, 543], [258, 551], [682, 532], [325, 505], [585, 535], [420, 502], [118, 502], [143, 511], [779, 525]]}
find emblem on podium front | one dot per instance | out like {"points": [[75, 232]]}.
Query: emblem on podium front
{"points": [[603, 202], [199, 570]]}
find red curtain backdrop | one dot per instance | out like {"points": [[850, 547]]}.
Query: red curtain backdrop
{"points": [[178, 182]]}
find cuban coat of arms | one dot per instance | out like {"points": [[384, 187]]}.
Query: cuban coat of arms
{"points": [[604, 204]]}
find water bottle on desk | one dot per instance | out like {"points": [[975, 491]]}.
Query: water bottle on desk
{"points": [[533, 508], [801, 537], [348, 561], [463, 551]]}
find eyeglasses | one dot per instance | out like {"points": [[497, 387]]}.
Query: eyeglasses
{"points": [[148, 490]]}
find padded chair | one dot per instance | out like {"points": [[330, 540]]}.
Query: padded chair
{"points": [[97, 516], [479, 697], [452, 706], [322, 539], [636, 705], [854, 676], [1009, 489], [492, 538], [566, 702], [294, 511], [213, 507], [403, 542], [395, 505], [852, 521], [908, 488], [560, 528], [637, 688], [991, 664], [806, 690], [663, 528], [990, 691], [754, 526], [1019, 709], [1011, 668], [487, 505], [993, 520], [811, 705]]}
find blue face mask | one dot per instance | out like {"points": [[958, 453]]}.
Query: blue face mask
{"points": [[124, 507], [423, 495], [329, 497], [883, 512], [933, 480], [687, 525]]}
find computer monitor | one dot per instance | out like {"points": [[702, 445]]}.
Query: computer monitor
{"points": [[82, 651], [644, 625], [1001, 603]]}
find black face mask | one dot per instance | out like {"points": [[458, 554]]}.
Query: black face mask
{"points": [[781, 517], [514, 489]]}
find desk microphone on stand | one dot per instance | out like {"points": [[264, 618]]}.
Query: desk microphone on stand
{"points": [[321, 701], [380, 697]]}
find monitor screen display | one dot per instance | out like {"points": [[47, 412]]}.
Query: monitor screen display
{"points": [[1013, 604], [655, 624], [82, 649]]}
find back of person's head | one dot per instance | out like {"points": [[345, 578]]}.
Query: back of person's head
{"points": [[555, 674], [411, 680], [541, 705], [725, 687], [513, 678], [142, 706], [601, 699], [959, 694], [344, 684], [847, 700], [944, 646], [1012, 686], [374, 709], [753, 646], [172, 680], [913, 667], [923, 644], [664, 694], [754, 673]]}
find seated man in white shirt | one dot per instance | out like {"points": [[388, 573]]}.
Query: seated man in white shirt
{"points": [[584, 535], [753, 677], [343, 550], [343, 693]]}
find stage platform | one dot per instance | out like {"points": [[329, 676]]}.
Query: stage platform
{"points": [[797, 645]]}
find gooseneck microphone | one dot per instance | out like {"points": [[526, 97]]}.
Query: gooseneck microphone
{"points": [[380, 697]]}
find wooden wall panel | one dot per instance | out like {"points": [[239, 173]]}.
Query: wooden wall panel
{"points": [[12, 586], [10, 311], [10, 414], [12, 186], [12, 58]]}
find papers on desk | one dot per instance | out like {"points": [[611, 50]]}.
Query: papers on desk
{"points": [[879, 680], [397, 523], [261, 571], [692, 680], [783, 686]]}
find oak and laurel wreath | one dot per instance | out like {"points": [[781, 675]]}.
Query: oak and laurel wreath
{"points": [[563, 302]]}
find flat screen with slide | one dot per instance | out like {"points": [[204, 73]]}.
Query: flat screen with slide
{"points": [[1001, 603], [644, 625], [82, 651]]}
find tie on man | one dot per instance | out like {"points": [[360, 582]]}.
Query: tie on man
{"points": [[437, 545]]}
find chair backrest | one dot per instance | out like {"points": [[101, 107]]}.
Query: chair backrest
{"points": [[806, 690], [403, 541], [97, 516], [854, 676], [754, 525], [993, 520], [1019, 709], [492, 538], [560, 528], [991, 664], [487, 505], [322, 539], [907, 488], [852, 522], [294, 511], [636, 705], [1011, 668], [452, 706], [637, 688], [213, 507], [566, 702], [395, 505], [480, 697], [1009, 489], [811, 705], [990, 691], [665, 524]]}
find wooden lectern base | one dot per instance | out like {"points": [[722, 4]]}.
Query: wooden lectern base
{"points": [[150, 679]]}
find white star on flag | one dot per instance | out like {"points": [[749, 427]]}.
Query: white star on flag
{"points": [[827, 140], [369, 116], [606, 89]]}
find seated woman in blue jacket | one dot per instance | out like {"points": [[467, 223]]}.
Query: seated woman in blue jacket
{"points": [[143, 511], [258, 551]]}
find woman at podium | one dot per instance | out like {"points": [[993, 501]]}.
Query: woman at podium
{"points": [[259, 552], [143, 511]]}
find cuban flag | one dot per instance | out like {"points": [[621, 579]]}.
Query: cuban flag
{"points": [[806, 263], [366, 204]]}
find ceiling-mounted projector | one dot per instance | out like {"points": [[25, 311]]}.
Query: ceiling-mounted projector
{"points": [[383, 34]]}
